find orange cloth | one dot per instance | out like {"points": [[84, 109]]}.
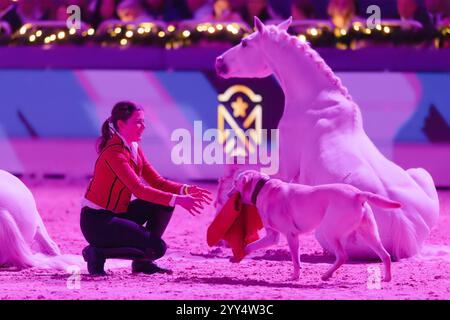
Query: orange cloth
{"points": [[237, 224]]}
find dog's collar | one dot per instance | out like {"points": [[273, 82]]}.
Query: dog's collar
{"points": [[259, 185]]}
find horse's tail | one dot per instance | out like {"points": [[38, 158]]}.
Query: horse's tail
{"points": [[405, 241], [378, 200], [46, 244], [15, 251]]}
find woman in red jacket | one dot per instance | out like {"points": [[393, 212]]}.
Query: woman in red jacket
{"points": [[109, 219]]}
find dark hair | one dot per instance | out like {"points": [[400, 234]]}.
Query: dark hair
{"points": [[122, 110]]}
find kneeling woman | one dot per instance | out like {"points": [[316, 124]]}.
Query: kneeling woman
{"points": [[108, 218]]}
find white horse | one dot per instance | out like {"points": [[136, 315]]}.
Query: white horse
{"points": [[322, 139], [24, 241]]}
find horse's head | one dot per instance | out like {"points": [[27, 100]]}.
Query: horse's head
{"points": [[247, 60]]}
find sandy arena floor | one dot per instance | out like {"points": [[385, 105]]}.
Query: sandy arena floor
{"points": [[201, 272]]}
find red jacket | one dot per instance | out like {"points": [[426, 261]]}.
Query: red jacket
{"points": [[117, 176]]}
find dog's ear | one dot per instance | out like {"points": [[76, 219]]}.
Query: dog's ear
{"points": [[245, 184], [245, 180]]}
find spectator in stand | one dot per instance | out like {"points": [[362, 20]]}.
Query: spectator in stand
{"points": [[61, 12], [4, 4], [259, 8], [199, 9], [280, 10], [410, 10], [132, 10], [302, 10], [176, 10], [437, 11], [8, 13], [447, 13], [342, 12], [34, 10], [102, 10], [222, 11], [154, 8], [406, 9]]}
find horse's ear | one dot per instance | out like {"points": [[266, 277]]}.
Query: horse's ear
{"points": [[259, 25], [285, 24]]}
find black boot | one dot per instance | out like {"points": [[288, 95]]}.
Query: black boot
{"points": [[95, 261], [147, 267]]}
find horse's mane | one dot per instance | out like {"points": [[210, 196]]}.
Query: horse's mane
{"points": [[278, 35]]}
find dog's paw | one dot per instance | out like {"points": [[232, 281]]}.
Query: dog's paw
{"points": [[326, 277], [294, 277], [295, 274]]}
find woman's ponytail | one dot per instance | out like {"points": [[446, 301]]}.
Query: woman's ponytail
{"points": [[106, 135]]}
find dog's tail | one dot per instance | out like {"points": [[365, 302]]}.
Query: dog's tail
{"points": [[378, 200], [16, 252]]}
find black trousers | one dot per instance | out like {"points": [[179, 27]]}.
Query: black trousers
{"points": [[105, 229]]}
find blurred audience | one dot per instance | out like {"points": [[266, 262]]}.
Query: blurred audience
{"points": [[35, 10], [132, 10], [281, 9], [8, 13], [302, 10], [223, 11], [154, 8], [4, 4], [342, 12], [410, 10], [438, 11], [199, 9], [258, 8], [102, 10], [431, 13], [407, 9]]}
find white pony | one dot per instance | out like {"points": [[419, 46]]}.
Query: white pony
{"points": [[322, 139], [24, 241]]}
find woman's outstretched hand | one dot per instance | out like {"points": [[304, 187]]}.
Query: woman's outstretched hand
{"points": [[201, 193], [192, 203]]}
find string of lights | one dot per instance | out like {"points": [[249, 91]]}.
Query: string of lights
{"points": [[174, 36]]}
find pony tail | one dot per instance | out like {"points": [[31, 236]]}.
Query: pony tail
{"points": [[106, 135]]}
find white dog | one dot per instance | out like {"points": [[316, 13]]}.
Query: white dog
{"points": [[292, 209], [24, 241]]}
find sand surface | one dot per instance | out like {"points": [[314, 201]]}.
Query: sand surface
{"points": [[201, 272]]}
